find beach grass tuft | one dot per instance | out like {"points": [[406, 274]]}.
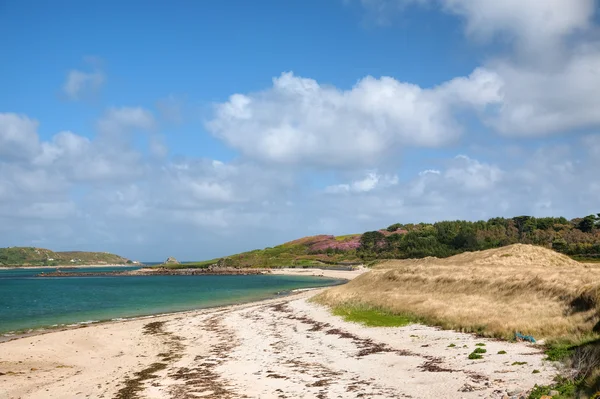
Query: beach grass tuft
{"points": [[373, 317]]}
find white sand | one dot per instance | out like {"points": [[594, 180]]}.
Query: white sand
{"points": [[345, 274], [280, 348]]}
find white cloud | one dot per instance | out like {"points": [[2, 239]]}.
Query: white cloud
{"points": [[534, 24], [18, 136], [79, 84], [550, 84], [369, 183], [545, 100], [473, 175], [298, 120]]}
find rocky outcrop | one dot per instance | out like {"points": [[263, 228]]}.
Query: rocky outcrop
{"points": [[171, 261]]}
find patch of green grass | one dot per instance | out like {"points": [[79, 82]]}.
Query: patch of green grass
{"points": [[502, 352], [535, 371], [373, 317], [451, 346], [566, 389], [474, 356], [558, 352], [480, 344], [518, 363], [480, 350]]}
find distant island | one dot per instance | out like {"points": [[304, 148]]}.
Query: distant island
{"points": [[31, 256], [578, 238]]}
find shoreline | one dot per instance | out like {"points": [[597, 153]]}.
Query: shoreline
{"points": [[269, 349], [118, 320], [343, 276]]}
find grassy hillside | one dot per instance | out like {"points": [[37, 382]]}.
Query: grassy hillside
{"points": [[30, 256], [308, 251]]}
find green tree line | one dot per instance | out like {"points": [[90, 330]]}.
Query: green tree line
{"points": [[577, 237]]}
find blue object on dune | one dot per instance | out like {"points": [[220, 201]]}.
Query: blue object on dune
{"points": [[519, 336]]}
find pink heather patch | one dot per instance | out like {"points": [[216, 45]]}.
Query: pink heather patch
{"points": [[322, 243]]}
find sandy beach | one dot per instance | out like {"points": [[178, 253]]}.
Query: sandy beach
{"points": [[280, 348]]}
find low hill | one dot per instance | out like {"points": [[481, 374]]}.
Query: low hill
{"points": [[308, 251], [31, 256], [578, 238]]}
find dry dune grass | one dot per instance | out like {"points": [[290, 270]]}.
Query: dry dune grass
{"points": [[496, 292]]}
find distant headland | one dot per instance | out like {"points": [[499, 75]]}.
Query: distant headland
{"points": [[39, 257]]}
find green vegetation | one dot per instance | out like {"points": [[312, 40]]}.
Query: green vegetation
{"points": [[578, 238], [480, 350], [373, 317], [519, 363], [451, 346], [30, 256], [565, 387], [480, 344], [536, 371], [584, 356], [502, 352], [475, 356]]}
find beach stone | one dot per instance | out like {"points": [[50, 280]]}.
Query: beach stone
{"points": [[553, 392]]}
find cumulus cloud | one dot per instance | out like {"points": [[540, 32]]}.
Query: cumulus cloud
{"points": [[18, 136], [299, 120], [545, 100], [549, 85]]}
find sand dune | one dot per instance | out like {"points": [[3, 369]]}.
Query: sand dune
{"points": [[517, 288]]}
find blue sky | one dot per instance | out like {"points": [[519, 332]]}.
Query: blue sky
{"points": [[199, 129]]}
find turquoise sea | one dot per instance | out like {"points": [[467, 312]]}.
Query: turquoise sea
{"points": [[28, 302]]}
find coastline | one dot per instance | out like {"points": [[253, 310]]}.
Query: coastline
{"points": [[283, 346], [32, 332]]}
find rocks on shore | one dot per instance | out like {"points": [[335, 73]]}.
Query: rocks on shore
{"points": [[171, 261]]}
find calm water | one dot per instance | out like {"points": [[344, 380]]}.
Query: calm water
{"points": [[28, 302]]}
